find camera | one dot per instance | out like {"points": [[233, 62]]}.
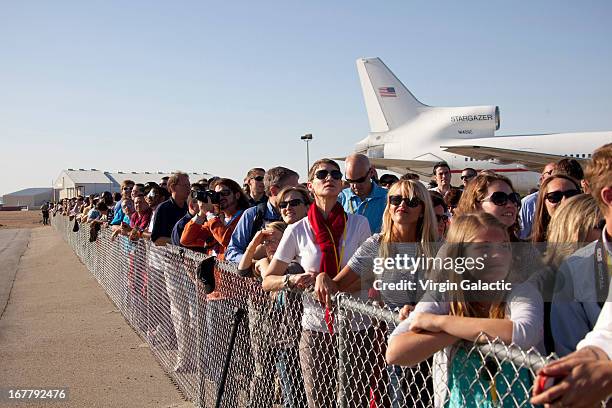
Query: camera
{"points": [[204, 195]]}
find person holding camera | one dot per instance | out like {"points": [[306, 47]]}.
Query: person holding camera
{"points": [[220, 210]]}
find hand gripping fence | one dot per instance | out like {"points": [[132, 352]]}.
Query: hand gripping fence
{"points": [[227, 343]]}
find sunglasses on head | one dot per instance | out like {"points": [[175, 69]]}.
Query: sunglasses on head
{"points": [[500, 198], [555, 197], [410, 202], [257, 178], [322, 174], [291, 203]]}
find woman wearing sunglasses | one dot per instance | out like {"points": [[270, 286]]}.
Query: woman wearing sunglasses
{"points": [[494, 194], [409, 228], [554, 190], [323, 242]]}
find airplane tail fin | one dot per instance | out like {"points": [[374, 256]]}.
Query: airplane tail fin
{"points": [[388, 102]]}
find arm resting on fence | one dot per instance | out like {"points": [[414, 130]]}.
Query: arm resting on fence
{"points": [[409, 349], [471, 328]]}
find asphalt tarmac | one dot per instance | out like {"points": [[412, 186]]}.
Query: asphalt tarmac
{"points": [[59, 329]]}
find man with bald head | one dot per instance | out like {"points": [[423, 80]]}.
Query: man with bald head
{"points": [[363, 196], [528, 204]]}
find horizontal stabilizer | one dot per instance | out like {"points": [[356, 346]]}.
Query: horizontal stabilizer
{"points": [[532, 160]]}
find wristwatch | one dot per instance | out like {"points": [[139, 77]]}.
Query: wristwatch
{"points": [[286, 281]]}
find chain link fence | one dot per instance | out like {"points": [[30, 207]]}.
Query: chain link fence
{"points": [[227, 343]]}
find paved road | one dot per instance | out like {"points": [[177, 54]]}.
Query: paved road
{"points": [[59, 329], [13, 243]]}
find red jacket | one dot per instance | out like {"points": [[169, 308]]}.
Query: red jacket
{"points": [[213, 235]]}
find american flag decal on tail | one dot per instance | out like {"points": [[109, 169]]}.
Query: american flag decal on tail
{"points": [[387, 92]]}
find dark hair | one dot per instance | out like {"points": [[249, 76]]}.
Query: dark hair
{"points": [[243, 201], [452, 197], [116, 196], [437, 200], [388, 179], [440, 164], [277, 176], [410, 176], [250, 174], [161, 192], [571, 167], [303, 191], [107, 197], [471, 170], [101, 206]]}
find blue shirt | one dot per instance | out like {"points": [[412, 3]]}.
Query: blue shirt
{"points": [[575, 310], [118, 216], [177, 231], [241, 237], [167, 214], [372, 207], [526, 214]]}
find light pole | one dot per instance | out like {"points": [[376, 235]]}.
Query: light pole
{"points": [[307, 138]]}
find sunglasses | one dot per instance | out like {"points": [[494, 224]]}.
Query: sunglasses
{"points": [[322, 174], [441, 218], [291, 203], [397, 200], [225, 193], [500, 198], [463, 178], [359, 180], [257, 178], [555, 197]]}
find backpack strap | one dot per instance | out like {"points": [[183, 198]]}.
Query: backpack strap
{"points": [[259, 219]]}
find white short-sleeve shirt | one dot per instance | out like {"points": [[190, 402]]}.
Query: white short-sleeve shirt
{"points": [[298, 243]]}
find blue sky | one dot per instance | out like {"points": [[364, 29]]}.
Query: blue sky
{"points": [[225, 86]]}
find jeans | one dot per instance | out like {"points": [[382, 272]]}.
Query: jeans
{"points": [[291, 380]]}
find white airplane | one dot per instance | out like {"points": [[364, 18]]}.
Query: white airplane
{"points": [[407, 135]]}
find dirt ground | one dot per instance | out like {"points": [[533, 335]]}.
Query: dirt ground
{"points": [[20, 219]]}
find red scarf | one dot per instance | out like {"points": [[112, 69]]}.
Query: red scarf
{"points": [[328, 233]]}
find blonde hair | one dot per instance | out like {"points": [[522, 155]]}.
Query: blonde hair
{"points": [[427, 228], [476, 191], [599, 173], [279, 226], [541, 218], [570, 226], [464, 229]]}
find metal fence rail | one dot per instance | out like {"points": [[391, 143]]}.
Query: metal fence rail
{"points": [[256, 344]]}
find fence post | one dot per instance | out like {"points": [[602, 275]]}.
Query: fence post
{"points": [[239, 314], [343, 327], [200, 344]]}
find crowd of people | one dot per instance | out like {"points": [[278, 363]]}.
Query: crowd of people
{"points": [[553, 245]]}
